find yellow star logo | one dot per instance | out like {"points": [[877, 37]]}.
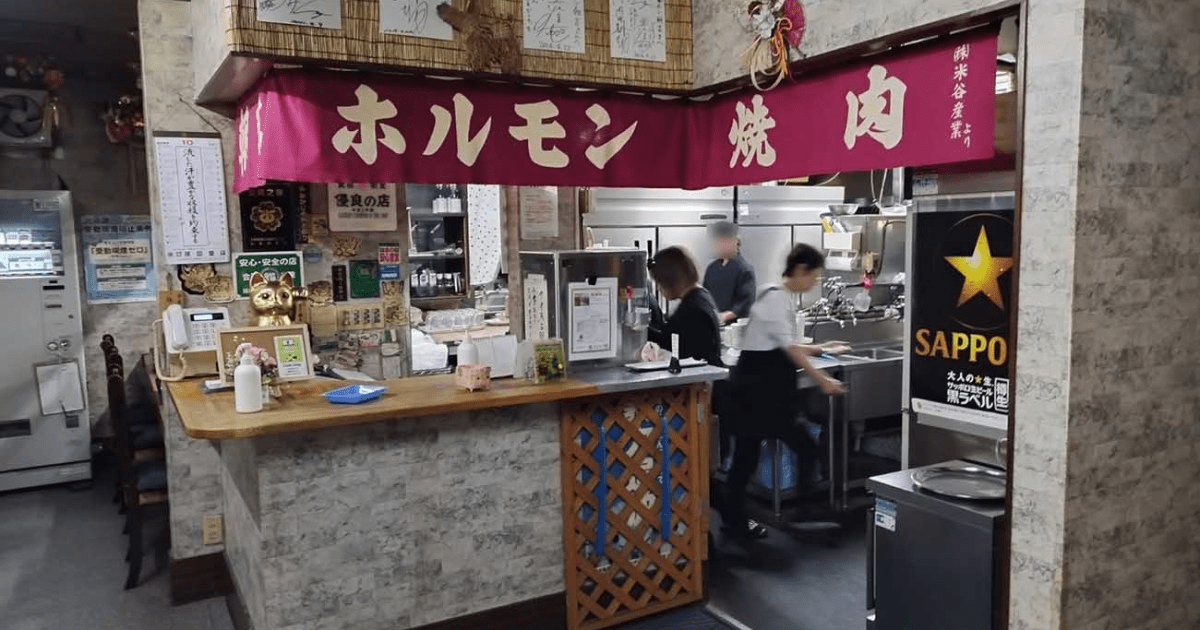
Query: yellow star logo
{"points": [[981, 272]]}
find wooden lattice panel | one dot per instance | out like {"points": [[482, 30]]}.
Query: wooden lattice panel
{"points": [[623, 486]]}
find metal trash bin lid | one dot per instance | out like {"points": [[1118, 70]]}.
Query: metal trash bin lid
{"points": [[977, 483]]}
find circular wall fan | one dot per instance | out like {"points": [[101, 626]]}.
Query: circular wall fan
{"points": [[20, 117]]}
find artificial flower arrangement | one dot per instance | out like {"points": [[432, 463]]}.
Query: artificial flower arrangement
{"points": [[265, 362]]}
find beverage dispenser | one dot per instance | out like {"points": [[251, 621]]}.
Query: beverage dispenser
{"points": [[592, 299]]}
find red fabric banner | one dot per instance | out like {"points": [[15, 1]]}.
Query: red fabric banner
{"points": [[933, 104]]}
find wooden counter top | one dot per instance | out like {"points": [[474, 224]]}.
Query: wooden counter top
{"points": [[212, 416]]}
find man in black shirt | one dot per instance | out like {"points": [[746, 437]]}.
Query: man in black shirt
{"points": [[729, 278]]}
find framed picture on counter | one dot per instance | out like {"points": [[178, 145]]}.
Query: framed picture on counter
{"points": [[287, 346]]}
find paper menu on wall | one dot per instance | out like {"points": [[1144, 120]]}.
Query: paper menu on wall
{"points": [[191, 191], [556, 25], [59, 387], [318, 13], [594, 331], [417, 18], [537, 325], [638, 29], [538, 211]]}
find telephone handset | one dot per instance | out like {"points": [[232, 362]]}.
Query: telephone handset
{"points": [[193, 328], [174, 328]]}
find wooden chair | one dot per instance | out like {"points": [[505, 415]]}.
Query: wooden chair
{"points": [[145, 427], [143, 483]]}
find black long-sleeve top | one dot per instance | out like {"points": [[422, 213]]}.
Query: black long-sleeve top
{"points": [[695, 321], [732, 285]]}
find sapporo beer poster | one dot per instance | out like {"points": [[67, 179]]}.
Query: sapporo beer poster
{"points": [[962, 301]]}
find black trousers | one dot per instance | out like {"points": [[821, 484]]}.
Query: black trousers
{"points": [[746, 456], [764, 404]]}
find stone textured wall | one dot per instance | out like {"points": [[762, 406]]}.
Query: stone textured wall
{"points": [[719, 37], [1047, 268], [209, 47], [398, 524], [194, 477], [1131, 558], [243, 551], [194, 465], [1107, 399]]}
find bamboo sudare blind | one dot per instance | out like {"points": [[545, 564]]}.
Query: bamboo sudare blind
{"points": [[360, 43]]}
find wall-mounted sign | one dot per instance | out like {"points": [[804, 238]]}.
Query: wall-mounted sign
{"points": [[362, 207], [316, 13], [961, 300], [928, 104], [556, 25], [270, 214], [272, 265], [191, 192], [637, 30], [117, 260]]}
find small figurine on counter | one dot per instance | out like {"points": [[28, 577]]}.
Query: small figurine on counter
{"points": [[273, 302]]}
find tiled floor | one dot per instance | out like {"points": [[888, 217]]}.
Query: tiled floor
{"points": [[61, 567], [787, 584]]}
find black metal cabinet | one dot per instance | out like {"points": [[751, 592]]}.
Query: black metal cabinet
{"points": [[933, 562]]}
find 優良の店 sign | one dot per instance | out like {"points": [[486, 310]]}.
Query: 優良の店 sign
{"points": [[929, 104]]}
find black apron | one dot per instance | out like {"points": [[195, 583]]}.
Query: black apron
{"points": [[764, 389], [764, 392]]}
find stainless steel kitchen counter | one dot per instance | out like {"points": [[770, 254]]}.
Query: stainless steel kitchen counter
{"points": [[612, 380]]}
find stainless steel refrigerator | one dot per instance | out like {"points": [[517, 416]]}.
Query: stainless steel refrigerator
{"points": [[772, 219], [652, 218], [45, 436]]}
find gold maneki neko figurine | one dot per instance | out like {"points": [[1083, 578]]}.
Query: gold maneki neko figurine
{"points": [[273, 302]]}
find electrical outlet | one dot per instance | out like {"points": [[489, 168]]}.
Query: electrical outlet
{"points": [[214, 529]]}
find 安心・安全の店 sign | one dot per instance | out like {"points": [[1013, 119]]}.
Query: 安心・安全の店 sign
{"points": [[272, 265]]}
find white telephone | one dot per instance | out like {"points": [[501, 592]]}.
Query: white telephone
{"points": [[190, 336], [193, 328]]}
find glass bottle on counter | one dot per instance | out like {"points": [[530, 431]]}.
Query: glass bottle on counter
{"points": [[439, 199]]}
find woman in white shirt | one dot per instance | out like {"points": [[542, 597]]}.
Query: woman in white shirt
{"points": [[764, 384]]}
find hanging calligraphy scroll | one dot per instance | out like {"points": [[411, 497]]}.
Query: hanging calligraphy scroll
{"points": [[925, 105], [191, 191]]}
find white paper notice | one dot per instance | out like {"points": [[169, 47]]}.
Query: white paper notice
{"points": [[539, 211], [362, 207], [318, 13], [537, 325], [191, 190], [638, 29], [554, 25], [290, 356], [594, 332], [59, 388], [417, 18]]}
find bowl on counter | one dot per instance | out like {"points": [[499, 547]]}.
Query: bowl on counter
{"points": [[843, 209]]}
